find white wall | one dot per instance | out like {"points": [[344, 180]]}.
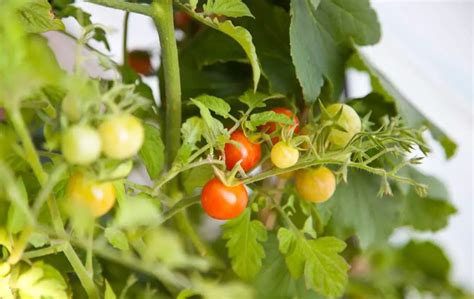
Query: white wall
{"points": [[427, 51]]}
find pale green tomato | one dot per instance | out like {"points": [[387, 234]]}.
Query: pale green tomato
{"points": [[122, 136], [81, 145], [284, 155], [71, 108], [349, 120]]}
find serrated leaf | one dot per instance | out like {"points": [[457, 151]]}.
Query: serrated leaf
{"points": [[318, 260], [240, 35], [37, 17], [412, 116], [42, 281], [215, 104], [258, 119], [356, 209], [116, 238], [256, 99], [274, 280], [229, 8], [192, 130], [426, 213], [270, 34], [320, 36], [152, 152], [213, 127], [244, 236]]}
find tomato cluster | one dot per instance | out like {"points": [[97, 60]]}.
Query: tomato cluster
{"points": [[118, 137], [222, 200]]}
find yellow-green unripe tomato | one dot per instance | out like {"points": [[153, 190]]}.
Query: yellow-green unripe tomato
{"points": [[81, 145], [349, 120], [4, 269], [284, 155], [71, 108], [315, 184], [122, 136]]}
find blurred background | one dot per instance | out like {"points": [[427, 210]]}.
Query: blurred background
{"points": [[426, 50]]}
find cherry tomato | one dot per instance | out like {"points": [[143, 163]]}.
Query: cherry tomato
{"points": [[271, 126], [349, 120], [248, 153], [315, 185], [98, 197], [81, 145], [223, 202], [284, 155], [122, 136], [181, 20], [140, 62]]}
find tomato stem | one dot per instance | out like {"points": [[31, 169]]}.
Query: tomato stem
{"points": [[125, 38]]}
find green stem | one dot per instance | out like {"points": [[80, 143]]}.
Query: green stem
{"points": [[30, 151], [43, 251], [122, 5], [163, 18], [125, 38]]}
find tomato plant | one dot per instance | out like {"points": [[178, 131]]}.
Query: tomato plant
{"points": [[110, 191]]}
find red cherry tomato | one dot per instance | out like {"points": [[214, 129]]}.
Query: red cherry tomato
{"points": [[140, 62], [181, 20], [248, 153], [223, 202], [271, 126]]}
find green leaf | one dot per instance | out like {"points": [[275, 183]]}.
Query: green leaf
{"points": [[116, 238], [16, 218], [192, 130], [274, 280], [356, 209], [270, 33], [38, 239], [258, 119], [256, 99], [240, 35], [218, 105], [426, 213], [37, 17], [213, 127], [152, 152], [244, 236], [324, 270], [42, 281], [109, 292], [196, 177], [229, 8], [320, 36], [350, 19], [427, 258], [409, 113]]}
